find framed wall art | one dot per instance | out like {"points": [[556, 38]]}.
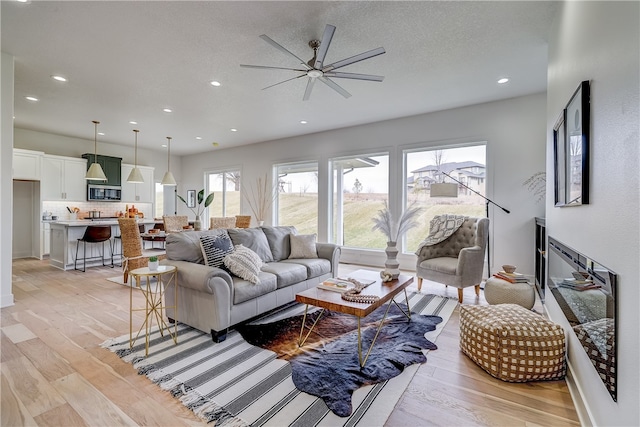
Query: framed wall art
{"points": [[571, 150], [191, 198]]}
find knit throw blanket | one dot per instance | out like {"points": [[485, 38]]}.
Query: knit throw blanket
{"points": [[441, 227]]}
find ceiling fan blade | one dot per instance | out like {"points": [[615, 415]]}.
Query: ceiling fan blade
{"points": [[279, 47], [354, 76], [357, 58], [284, 81], [271, 68], [333, 85], [324, 46], [307, 91]]}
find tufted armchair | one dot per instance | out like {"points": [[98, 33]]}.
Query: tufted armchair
{"points": [[457, 261]]}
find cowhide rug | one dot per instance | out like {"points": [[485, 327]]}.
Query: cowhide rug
{"points": [[327, 366]]}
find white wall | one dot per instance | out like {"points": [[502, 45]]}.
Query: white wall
{"points": [[6, 177], [598, 41], [514, 130]]}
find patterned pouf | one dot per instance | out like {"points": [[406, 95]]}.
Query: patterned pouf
{"points": [[498, 291], [512, 343]]}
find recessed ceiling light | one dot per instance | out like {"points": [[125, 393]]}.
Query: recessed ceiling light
{"points": [[198, 137], [164, 145], [234, 130], [167, 110], [22, 1], [101, 133], [303, 122], [503, 80], [59, 78], [31, 98], [215, 83], [133, 122]]}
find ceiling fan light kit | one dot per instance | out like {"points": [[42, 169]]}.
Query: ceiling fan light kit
{"points": [[315, 69]]}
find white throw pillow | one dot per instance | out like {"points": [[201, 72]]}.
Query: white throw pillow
{"points": [[244, 263], [303, 246]]}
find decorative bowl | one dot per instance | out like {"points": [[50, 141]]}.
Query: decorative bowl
{"points": [[508, 268]]}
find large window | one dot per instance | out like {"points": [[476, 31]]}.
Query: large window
{"points": [[360, 187], [460, 167], [226, 187], [297, 197]]}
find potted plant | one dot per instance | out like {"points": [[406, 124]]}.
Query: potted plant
{"points": [[393, 229], [199, 207], [153, 263]]}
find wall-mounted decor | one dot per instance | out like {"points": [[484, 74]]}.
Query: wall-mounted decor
{"points": [[571, 150], [191, 198]]}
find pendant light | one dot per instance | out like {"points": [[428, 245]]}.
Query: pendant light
{"points": [[168, 176], [135, 176], [95, 172]]}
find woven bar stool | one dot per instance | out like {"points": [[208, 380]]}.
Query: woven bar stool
{"points": [[94, 234]]}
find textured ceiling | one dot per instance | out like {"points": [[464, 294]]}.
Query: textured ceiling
{"points": [[129, 60]]}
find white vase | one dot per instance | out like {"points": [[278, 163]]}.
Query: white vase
{"points": [[153, 265], [197, 225], [391, 264]]}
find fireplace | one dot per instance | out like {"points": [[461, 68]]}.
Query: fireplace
{"points": [[586, 293]]}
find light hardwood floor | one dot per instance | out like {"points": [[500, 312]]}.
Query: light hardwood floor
{"points": [[54, 372]]}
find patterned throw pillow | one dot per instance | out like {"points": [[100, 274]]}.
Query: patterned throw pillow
{"points": [[303, 246], [215, 248], [244, 263]]}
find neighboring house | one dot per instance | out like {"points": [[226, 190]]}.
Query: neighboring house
{"points": [[471, 174]]}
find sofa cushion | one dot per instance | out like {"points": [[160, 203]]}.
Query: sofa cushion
{"points": [[244, 290], [315, 266], [303, 246], [278, 238], [215, 248], [254, 239], [244, 263], [286, 273], [185, 245]]}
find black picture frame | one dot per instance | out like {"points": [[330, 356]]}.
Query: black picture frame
{"points": [[191, 198], [571, 150]]}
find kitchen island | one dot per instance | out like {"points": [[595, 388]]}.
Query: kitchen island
{"points": [[65, 235]]}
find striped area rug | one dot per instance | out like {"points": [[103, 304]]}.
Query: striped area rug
{"points": [[236, 384]]}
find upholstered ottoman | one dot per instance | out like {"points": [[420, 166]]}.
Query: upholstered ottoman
{"points": [[512, 343], [498, 291]]}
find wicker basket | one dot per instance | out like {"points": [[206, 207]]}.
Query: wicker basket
{"points": [[512, 343]]}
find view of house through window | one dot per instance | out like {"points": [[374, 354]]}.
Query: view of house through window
{"points": [[360, 187], [463, 168], [226, 187], [296, 201]]}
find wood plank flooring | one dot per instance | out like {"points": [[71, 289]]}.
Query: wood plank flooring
{"points": [[54, 373]]}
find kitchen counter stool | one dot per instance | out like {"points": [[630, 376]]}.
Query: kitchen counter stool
{"points": [[94, 234]]}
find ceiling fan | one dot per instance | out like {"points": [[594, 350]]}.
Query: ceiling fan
{"points": [[315, 69]]}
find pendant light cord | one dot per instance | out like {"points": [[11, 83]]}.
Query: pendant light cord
{"points": [[95, 141], [135, 162], [168, 154]]}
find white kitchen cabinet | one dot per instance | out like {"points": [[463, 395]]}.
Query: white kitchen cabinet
{"points": [[63, 178], [27, 164], [138, 193]]}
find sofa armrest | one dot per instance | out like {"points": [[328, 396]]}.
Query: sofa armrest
{"points": [[470, 259], [330, 251], [200, 277]]}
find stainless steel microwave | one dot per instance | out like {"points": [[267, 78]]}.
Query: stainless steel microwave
{"points": [[103, 193]]}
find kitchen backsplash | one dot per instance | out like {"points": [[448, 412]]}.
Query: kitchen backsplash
{"points": [[107, 209]]}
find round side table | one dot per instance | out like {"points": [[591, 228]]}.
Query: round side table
{"points": [[498, 291], [153, 291]]}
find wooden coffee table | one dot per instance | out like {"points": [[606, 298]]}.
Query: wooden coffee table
{"points": [[330, 300]]}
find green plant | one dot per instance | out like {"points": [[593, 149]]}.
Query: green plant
{"points": [[153, 258], [385, 222], [199, 206]]}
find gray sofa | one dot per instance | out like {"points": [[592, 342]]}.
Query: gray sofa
{"points": [[212, 299]]}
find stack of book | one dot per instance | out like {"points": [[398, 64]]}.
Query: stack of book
{"points": [[578, 285], [336, 285], [511, 277]]}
